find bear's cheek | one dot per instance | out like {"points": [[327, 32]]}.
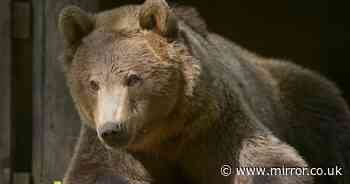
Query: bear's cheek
{"points": [[149, 111]]}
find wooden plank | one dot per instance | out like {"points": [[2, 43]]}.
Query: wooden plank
{"points": [[6, 176], [21, 178], [21, 17], [56, 124], [5, 92], [38, 78], [21, 95]]}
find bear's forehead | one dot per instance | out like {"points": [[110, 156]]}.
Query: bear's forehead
{"points": [[111, 46], [108, 38], [103, 50]]}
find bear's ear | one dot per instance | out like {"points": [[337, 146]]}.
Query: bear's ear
{"points": [[156, 15], [74, 23]]}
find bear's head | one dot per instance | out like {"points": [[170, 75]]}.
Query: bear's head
{"points": [[124, 68]]}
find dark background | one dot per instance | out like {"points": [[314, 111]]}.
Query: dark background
{"points": [[312, 33]]}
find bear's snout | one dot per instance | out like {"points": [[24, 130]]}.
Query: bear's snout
{"points": [[113, 134]]}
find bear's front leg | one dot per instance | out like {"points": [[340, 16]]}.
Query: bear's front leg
{"points": [[92, 163], [85, 163], [261, 156]]}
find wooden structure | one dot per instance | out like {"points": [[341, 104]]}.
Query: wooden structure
{"points": [[56, 123], [38, 122], [5, 93]]}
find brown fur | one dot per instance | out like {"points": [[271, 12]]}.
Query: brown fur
{"points": [[199, 101], [93, 163]]}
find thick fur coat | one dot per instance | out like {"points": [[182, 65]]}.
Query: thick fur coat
{"points": [[164, 100]]}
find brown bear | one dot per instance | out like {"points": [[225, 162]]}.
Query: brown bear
{"points": [[166, 101]]}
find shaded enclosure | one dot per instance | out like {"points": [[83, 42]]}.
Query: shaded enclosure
{"points": [[38, 122]]}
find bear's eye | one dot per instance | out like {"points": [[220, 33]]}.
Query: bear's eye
{"points": [[132, 79], [94, 86]]}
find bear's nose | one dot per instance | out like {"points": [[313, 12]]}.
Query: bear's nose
{"points": [[113, 134]]}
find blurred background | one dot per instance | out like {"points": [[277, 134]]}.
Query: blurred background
{"points": [[38, 123]]}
